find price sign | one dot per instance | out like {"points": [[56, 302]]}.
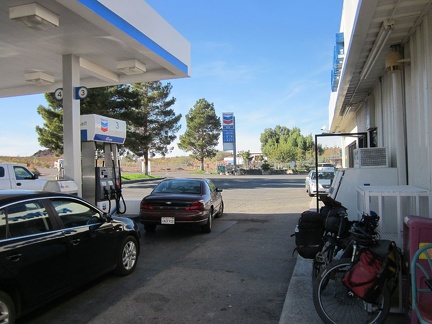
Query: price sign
{"points": [[228, 135]]}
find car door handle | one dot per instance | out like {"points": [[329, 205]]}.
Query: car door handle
{"points": [[18, 184], [14, 258], [75, 242]]}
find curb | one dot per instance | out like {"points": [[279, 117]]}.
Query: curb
{"points": [[298, 306]]}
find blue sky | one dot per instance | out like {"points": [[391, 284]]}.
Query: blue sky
{"points": [[268, 62]]}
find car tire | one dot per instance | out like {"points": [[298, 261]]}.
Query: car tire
{"points": [[149, 228], [7, 309], [128, 256], [208, 226], [221, 210]]}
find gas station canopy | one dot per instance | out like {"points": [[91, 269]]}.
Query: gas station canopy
{"points": [[72, 45], [116, 42]]}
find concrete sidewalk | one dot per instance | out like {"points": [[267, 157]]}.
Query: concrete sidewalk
{"points": [[299, 308]]}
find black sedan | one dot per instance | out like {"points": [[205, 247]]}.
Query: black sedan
{"points": [[182, 201], [51, 243]]}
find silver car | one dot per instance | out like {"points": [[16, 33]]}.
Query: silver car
{"points": [[325, 179]]}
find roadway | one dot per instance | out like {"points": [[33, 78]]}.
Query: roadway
{"points": [[239, 273]]}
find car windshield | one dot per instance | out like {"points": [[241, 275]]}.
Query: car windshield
{"points": [[325, 165], [323, 175], [179, 186]]}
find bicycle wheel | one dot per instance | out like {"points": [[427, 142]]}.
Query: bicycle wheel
{"points": [[335, 304]]}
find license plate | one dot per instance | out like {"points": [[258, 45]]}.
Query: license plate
{"points": [[167, 220]]}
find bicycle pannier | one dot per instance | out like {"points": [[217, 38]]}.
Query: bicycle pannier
{"points": [[335, 220], [366, 277], [308, 234]]}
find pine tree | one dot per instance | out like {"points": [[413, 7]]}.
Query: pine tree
{"points": [[151, 122], [50, 135], [203, 131]]}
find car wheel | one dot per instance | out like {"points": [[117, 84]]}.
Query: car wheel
{"points": [[208, 226], [221, 210], [127, 259], [7, 309], [149, 227]]}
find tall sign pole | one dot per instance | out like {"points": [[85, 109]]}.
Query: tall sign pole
{"points": [[229, 136], [235, 150]]}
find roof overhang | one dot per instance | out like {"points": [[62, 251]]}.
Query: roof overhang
{"points": [[101, 33], [357, 81]]}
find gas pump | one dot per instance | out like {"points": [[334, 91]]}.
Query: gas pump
{"points": [[60, 169], [101, 175]]}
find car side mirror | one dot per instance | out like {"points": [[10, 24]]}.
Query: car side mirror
{"points": [[219, 190]]}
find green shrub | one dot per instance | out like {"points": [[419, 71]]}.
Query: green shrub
{"points": [[265, 166]]}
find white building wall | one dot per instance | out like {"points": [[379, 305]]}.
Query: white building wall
{"points": [[349, 13], [418, 105], [400, 105]]}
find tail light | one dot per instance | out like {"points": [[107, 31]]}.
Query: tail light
{"points": [[145, 205], [196, 205]]}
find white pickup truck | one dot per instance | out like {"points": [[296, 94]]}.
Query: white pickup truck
{"points": [[15, 176]]}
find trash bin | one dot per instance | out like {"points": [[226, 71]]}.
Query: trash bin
{"points": [[417, 232]]}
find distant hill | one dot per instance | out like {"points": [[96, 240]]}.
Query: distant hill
{"points": [[44, 153], [46, 159]]}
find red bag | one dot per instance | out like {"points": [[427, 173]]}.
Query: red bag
{"points": [[365, 278]]}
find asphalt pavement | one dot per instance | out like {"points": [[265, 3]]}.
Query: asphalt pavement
{"points": [[239, 273], [298, 306]]}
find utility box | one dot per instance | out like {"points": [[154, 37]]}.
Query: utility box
{"points": [[417, 232]]}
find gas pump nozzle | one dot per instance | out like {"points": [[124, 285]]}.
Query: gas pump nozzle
{"points": [[112, 190]]}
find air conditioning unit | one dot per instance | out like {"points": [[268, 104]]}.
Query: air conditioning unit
{"points": [[371, 157]]}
